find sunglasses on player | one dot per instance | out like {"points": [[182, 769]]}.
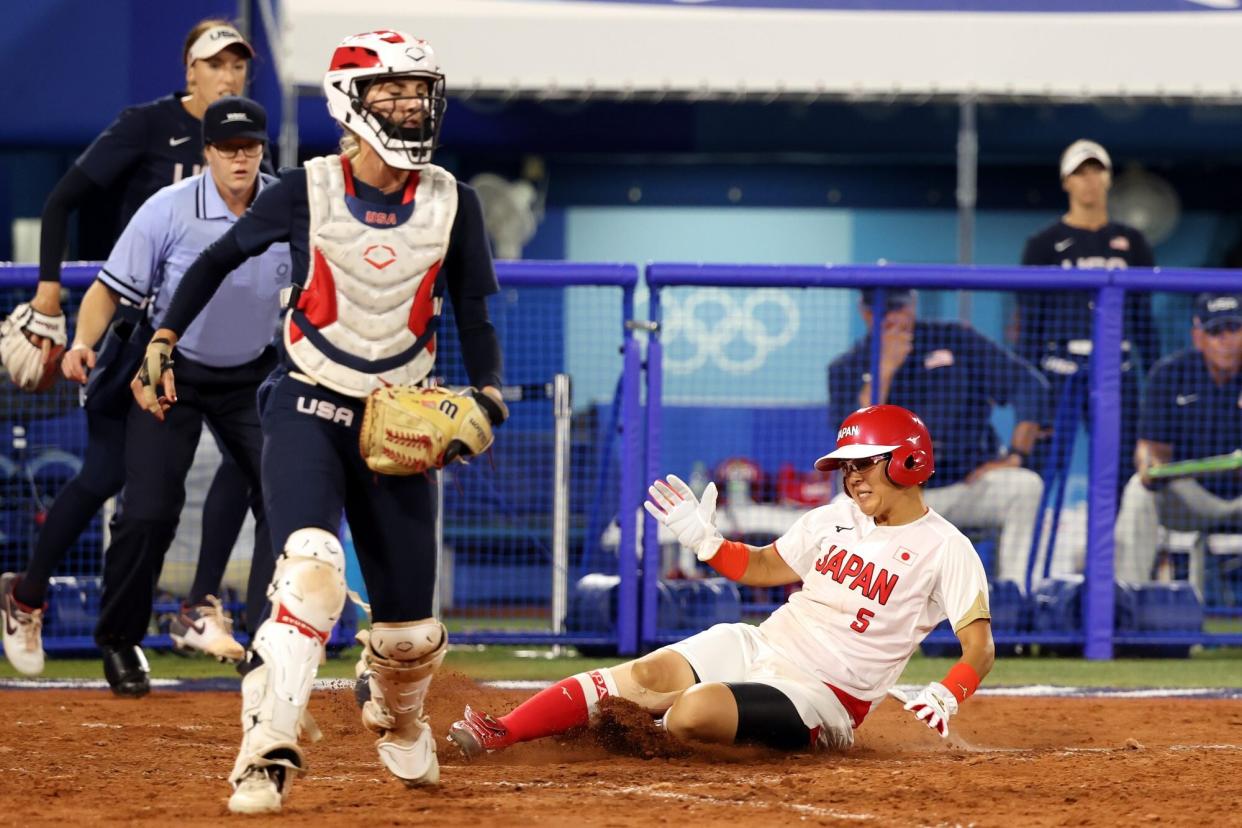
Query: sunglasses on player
{"points": [[863, 463]]}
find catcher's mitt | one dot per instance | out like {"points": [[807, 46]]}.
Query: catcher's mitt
{"points": [[407, 430], [31, 345]]}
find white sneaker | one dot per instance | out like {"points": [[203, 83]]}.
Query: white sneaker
{"points": [[413, 762], [259, 791], [23, 630], [205, 628]]}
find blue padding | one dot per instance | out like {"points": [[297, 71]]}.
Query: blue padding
{"points": [[1008, 606], [73, 606], [710, 434], [1171, 607], [691, 604], [343, 633], [1056, 606], [704, 603]]}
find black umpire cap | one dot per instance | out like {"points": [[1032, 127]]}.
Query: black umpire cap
{"points": [[234, 117]]}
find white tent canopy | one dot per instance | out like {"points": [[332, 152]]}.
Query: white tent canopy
{"points": [[553, 49]]}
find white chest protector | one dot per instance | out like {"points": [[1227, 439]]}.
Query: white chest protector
{"points": [[367, 313]]}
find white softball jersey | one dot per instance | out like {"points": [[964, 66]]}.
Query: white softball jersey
{"points": [[871, 593]]}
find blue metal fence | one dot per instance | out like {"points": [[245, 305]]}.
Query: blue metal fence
{"points": [[498, 530], [580, 321], [1091, 625]]}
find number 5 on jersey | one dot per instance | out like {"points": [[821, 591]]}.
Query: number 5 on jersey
{"points": [[860, 624]]}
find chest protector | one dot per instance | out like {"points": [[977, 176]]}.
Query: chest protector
{"points": [[367, 313]]}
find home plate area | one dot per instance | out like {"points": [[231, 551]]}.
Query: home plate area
{"points": [[1028, 756]]}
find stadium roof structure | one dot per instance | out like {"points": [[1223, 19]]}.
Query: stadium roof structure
{"points": [[1013, 50]]}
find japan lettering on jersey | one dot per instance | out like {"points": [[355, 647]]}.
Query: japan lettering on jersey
{"points": [[871, 593]]}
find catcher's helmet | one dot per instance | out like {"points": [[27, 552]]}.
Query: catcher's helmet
{"points": [[885, 429], [362, 59]]}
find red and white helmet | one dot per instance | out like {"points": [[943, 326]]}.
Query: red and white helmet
{"points": [[362, 59], [885, 429]]}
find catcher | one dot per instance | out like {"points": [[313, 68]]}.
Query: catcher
{"points": [[381, 235], [878, 572]]}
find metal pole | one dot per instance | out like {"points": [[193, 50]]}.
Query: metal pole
{"points": [[436, 599], [967, 192], [281, 54], [562, 410], [1098, 591]]}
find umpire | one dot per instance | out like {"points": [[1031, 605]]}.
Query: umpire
{"points": [[222, 359]]}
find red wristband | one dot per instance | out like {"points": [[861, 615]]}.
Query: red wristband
{"points": [[961, 680], [731, 560]]}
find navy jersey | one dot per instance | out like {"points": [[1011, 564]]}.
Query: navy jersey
{"points": [[1048, 321], [281, 212], [148, 147], [952, 378], [1184, 407]]}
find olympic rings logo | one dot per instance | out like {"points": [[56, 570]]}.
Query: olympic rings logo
{"points": [[712, 325]]}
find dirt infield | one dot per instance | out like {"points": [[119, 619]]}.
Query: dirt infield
{"points": [[81, 757]]}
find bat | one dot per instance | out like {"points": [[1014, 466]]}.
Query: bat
{"points": [[1217, 464]]}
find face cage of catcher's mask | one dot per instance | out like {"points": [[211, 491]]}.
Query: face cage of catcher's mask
{"points": [[418, 143]]}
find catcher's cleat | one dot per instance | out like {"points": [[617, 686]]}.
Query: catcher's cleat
{"points": [[478, 733], [127, 671], [206, 629], [259, 791], [23, 629]]}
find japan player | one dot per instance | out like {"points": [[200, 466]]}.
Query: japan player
{"points": [[878, 572]]}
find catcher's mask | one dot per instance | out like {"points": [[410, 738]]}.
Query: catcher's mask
{"points": [[880, 430], [361, 61]]}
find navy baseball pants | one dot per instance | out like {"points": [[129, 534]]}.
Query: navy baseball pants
{"points": [[313, 471]]}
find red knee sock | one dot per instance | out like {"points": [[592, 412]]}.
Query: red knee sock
{"points": [[566, 704]]}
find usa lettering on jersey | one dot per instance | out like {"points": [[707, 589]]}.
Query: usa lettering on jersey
{"points": [[1095, 263]]}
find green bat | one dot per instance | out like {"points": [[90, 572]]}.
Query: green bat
{"points": [[1194, 468]]}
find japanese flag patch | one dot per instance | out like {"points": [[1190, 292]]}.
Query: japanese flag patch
{"points": [[905, 556]]}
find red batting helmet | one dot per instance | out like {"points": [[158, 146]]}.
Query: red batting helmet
{"points": [[885, 429]]}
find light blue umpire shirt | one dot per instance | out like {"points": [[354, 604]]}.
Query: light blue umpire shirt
{"points": [[160, 243]]}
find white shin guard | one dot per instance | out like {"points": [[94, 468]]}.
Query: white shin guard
{"points": [[399, 660], [308, 593]]}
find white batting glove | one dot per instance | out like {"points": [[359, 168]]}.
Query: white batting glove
{"points": [[933, 706], [692, 521]]}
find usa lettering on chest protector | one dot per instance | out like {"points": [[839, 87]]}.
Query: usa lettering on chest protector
{"points": [[841, 565]]}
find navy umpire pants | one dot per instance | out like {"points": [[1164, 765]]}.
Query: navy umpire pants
{"points": [[313, 471], [103, 474], [157, 457]]}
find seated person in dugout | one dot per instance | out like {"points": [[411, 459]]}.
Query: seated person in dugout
{"points": [[878, 571], [954, 377], [1192, 408]]}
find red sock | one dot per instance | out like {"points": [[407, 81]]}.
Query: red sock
{"points": [[565, 705]]}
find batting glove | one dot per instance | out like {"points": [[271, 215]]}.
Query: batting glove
{"points": [[934, 705], [692, 521]]}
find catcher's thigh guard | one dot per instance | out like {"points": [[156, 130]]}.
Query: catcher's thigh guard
{"points": [[398, 661]]}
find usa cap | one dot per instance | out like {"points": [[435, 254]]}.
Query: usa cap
{"points": [[1215, 309], [1081, 151], [215, 40]]}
